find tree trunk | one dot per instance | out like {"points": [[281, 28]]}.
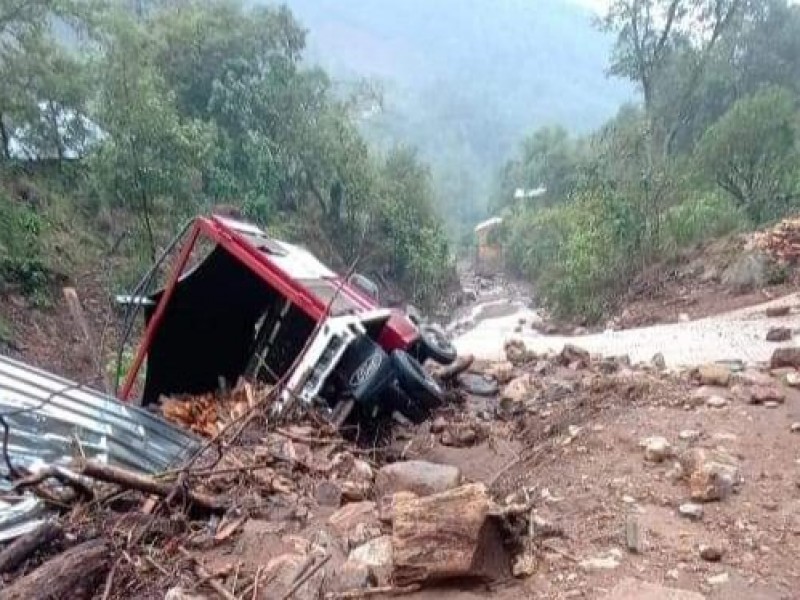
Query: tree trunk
{"points": [[20, 549], [148, 226], [6, 140], [75, 574], [447, 535]]}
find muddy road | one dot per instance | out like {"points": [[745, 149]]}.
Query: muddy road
{"points": [[503, 312]]}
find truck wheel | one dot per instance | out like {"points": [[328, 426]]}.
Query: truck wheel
{"points": [[409, 407], [415, 381], [434, 344]]}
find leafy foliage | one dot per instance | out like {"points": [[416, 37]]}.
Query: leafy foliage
{"points": [[752, 153], [712, 149], [174, 108]]}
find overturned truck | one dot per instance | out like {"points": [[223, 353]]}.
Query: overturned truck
{"points": [[239, 303]]}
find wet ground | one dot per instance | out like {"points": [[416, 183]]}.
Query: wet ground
{"points": [[502, 312]]}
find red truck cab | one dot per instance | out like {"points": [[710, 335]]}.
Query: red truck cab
{"points": [[241, 303]]}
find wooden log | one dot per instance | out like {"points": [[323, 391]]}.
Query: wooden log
{"points": [[146, 484], [452, 534], [20, 549], [76, 574]]}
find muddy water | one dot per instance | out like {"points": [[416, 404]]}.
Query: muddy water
{"points": [[484, 328]]}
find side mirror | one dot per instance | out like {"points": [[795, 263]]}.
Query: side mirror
{"points": [[365, 285]]}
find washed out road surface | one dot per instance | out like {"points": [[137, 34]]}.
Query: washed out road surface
{"points": [[740, 334]]}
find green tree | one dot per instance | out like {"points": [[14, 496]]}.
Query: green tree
{"points": [[151, 154], [752, 154]]}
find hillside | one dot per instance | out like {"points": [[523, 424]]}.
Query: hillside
{"points": [[464, 81]]}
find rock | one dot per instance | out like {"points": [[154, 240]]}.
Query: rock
{"points": [[633, 589], [328, 493], [712, 374], [795, 428], [771, 404], [478, 385], [716, 402], [689, 435], [691, 510], [710, 553], [792, 379], [501, 372], [704, 392], [352, 575], [280, 573], [439, 424], [713, 474], [656, 449], [417, 476], [633, 538], [362, 471], [684, 318], [516, 352], [760, 394], [609, 560], [659, 362], [785, 357], [580, 331], [466, 437], [753, 377], [524, 565], [748, 272], [374, 553], [778, 311], [716, 580], [355, 491], [779, 334], [518, 390], [574, 355], [347, 520]]}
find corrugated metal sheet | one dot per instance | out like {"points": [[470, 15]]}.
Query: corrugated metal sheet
{"points": [[52, 420]]}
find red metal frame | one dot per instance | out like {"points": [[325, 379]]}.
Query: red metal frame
{"points": [[399, 331]]}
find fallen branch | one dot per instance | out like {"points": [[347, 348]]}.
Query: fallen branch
{"points": [[64, 476], [20, 549], [75, 574], [308, 575], [146, 484], [307, 439]]}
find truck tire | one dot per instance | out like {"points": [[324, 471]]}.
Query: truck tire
{"points": [[433, 344], [415, 381], [409, 407]]}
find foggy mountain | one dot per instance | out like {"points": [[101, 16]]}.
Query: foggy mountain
{"points": [[465, 80]]}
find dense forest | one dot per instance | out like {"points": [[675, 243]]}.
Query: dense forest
{"points": [[121, 120], [713, 147]]}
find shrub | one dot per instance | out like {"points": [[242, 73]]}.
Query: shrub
{"points": [[700, 218], [575, 253]]}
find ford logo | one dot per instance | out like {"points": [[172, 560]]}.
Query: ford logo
{"points": [[367, 369]]}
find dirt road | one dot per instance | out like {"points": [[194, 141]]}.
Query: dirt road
{"points": [[739, 335]]}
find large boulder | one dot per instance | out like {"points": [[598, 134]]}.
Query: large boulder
{"points": [[748, 272], [714, 374], [785, 357], [417, 476]]}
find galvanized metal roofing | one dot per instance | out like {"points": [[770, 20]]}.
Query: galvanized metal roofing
{"points": [[52, 420]]}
